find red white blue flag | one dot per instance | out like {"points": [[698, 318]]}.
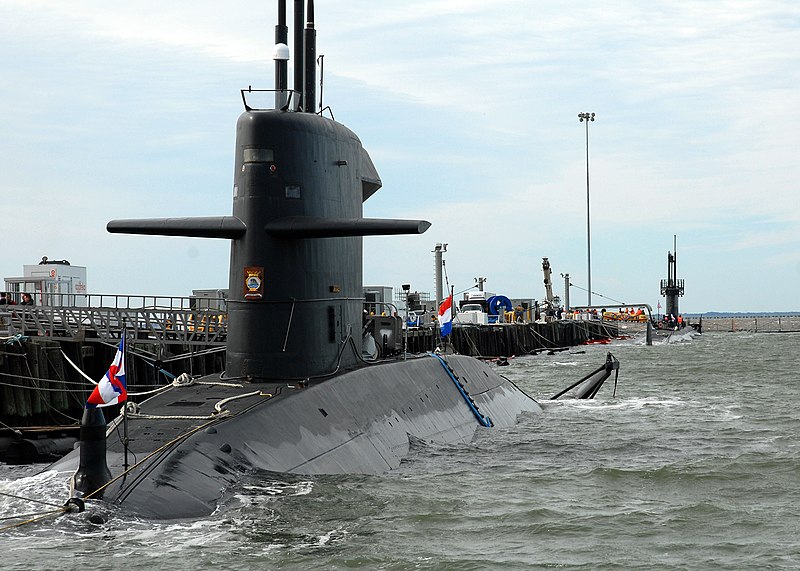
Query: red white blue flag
{"points": [[112, 388], [446, 316]]}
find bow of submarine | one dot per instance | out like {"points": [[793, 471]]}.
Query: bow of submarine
{"points": [[185, 458]]}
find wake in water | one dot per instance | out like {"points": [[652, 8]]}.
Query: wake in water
{"points": [[262, 516], [30, 498], [662, 337]]}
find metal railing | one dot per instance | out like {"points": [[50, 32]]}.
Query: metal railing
{"points": [[118, 301], [752, 323], [165, 320], [676, 285]]}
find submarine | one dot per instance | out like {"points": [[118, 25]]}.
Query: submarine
{"points": [[296, 395]]}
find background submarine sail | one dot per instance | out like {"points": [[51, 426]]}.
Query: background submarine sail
{"points": [[295, 396]]}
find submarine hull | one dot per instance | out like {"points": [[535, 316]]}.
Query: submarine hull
{"points": [[185, 458]]}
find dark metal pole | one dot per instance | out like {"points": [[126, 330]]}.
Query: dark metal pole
{"points": [[299, 54], [588, 222], [675, 257], [125, 439], [281, 65], [588, 117], [310, 91]]}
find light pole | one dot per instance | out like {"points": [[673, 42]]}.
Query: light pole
{"points": [[586, 117]]}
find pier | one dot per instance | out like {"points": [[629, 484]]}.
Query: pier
{"points": [[47, 352], [509, 339]]}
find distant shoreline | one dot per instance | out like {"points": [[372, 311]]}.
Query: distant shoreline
{"points": [[788, 322], [743, 314]]}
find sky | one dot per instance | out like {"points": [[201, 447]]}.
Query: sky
{"points": [[469, 110]]}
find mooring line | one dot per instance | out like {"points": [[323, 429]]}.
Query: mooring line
{"points": [[32, 517], [53, 513], [15, 496]]}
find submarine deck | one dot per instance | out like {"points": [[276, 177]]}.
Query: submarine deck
{"points": [[184, 454]]}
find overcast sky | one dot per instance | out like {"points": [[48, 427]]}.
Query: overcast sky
{"points": [[469, 111]]}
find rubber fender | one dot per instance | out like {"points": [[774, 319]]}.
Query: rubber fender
{"points": [[499, 301]]}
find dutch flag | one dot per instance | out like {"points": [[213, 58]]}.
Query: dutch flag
{"points": [[446, 316], [112, 388]]}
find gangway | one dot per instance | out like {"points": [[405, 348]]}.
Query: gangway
{"points": [[164, 320]]}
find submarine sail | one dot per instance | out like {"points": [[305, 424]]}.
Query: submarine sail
{"points": [[296, 396]]}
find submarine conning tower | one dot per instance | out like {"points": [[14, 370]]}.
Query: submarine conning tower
{"points": [[295, 304], [672, 287]]}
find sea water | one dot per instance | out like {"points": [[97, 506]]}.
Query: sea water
{"points": [[692, 463]]}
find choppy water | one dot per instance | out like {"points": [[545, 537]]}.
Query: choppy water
{"points": [[695, 464]]}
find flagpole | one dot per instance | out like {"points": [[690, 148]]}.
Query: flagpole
{"points": [[438, 329], [452, 313], [125, 402]]}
